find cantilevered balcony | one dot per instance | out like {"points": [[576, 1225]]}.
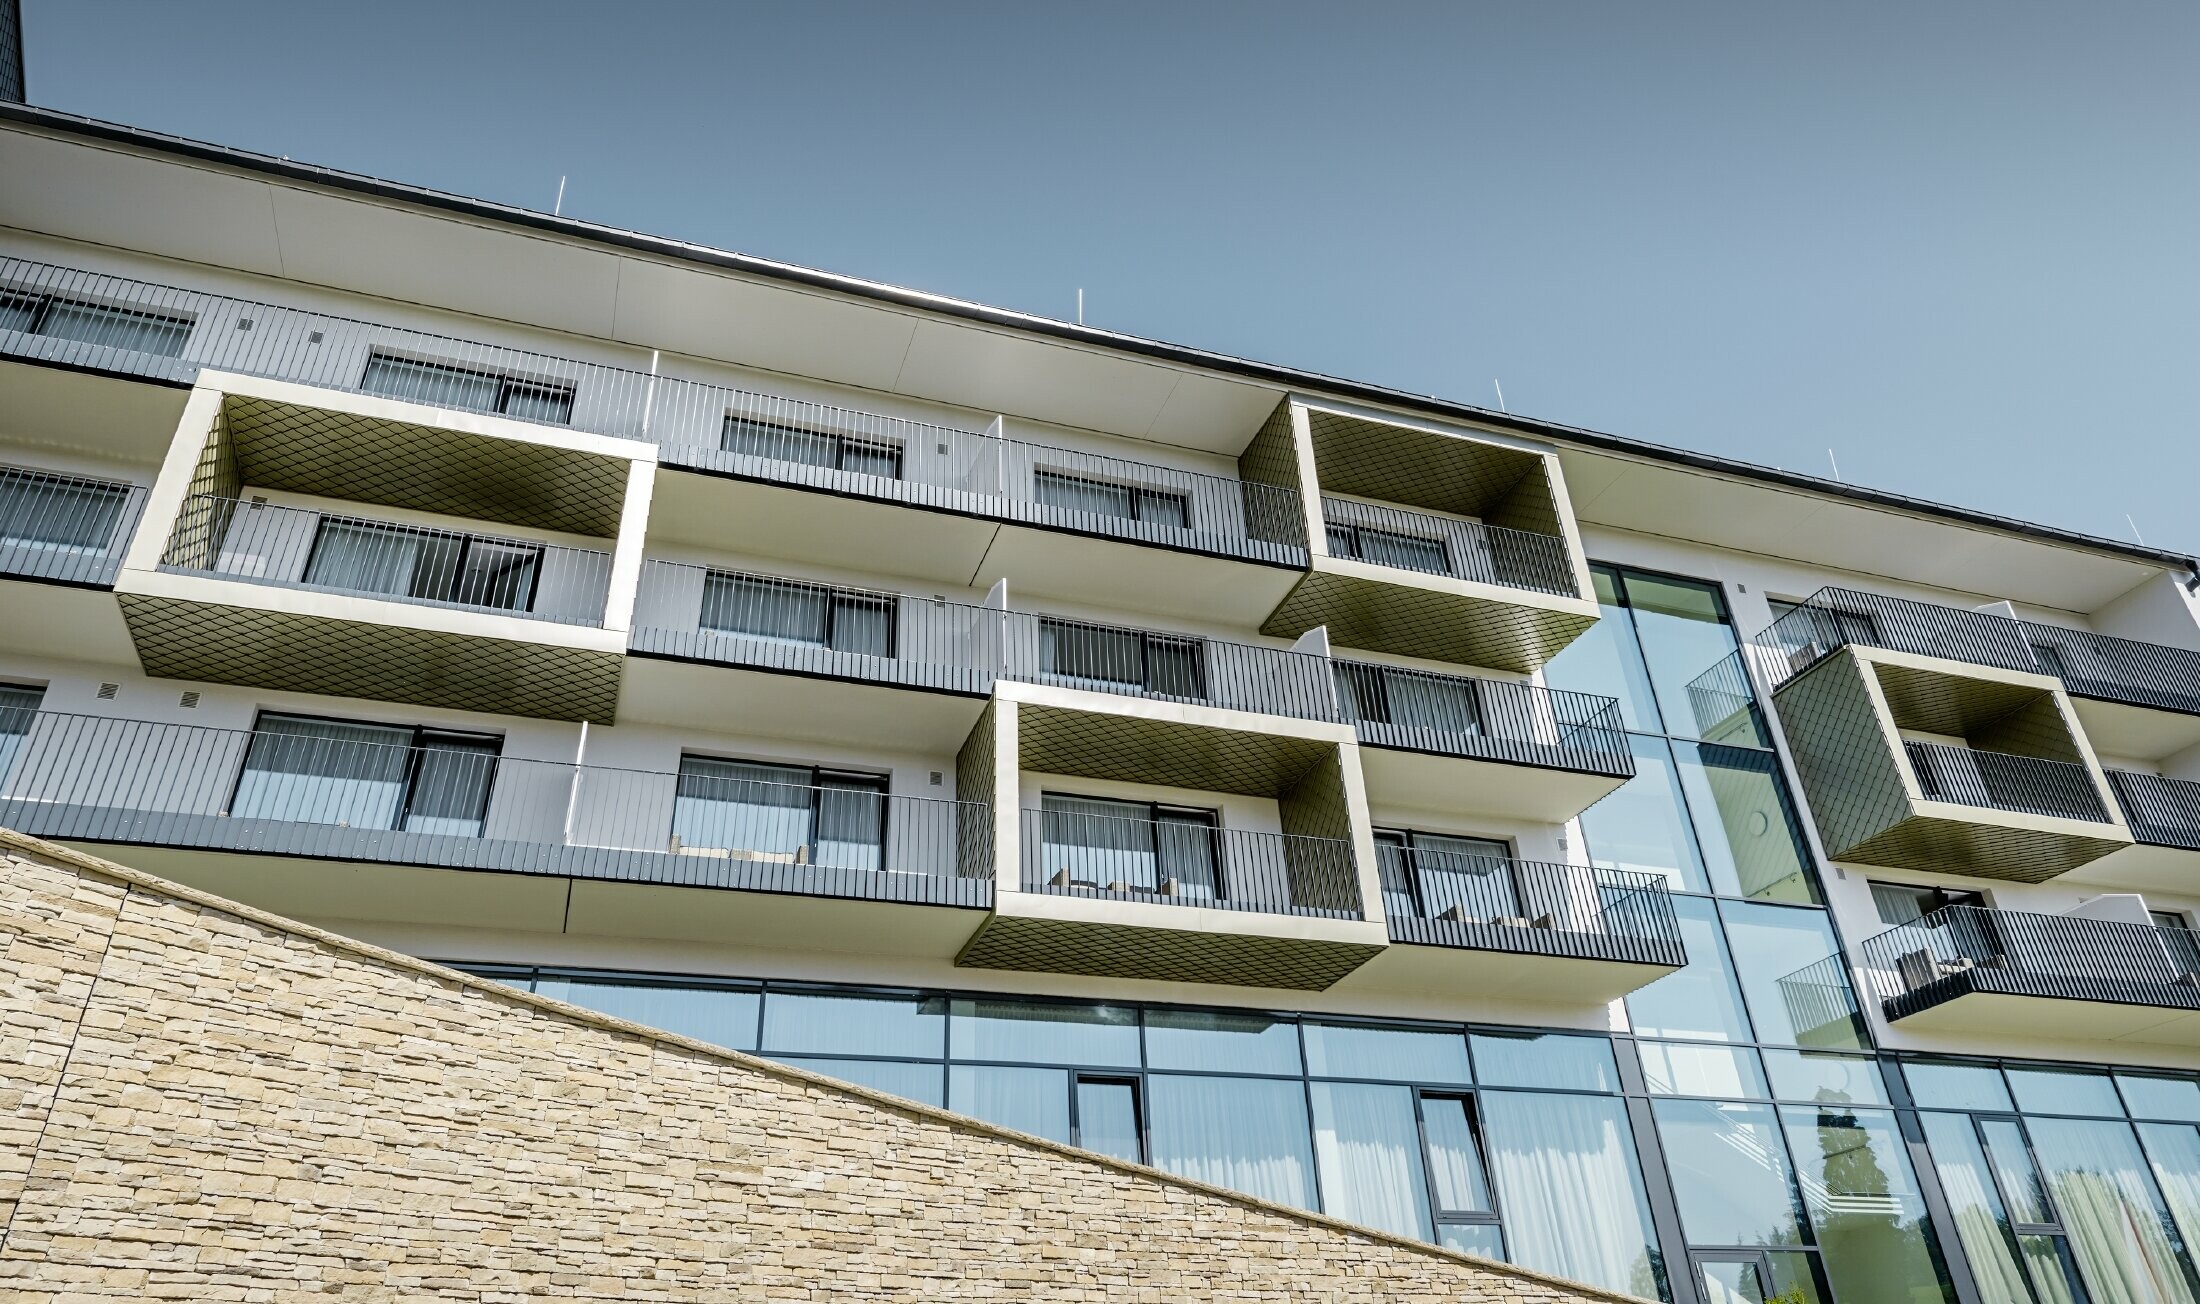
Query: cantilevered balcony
{"points": [[2133, 698], [1280, 899], [823, 482], [1975, 970], [1445, 544], [384, 813], [1481, 746], [350, 546], [1546, 932], [1945, 767]]}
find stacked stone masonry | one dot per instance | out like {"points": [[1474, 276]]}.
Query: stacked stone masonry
{"points": [[201, 1101]]}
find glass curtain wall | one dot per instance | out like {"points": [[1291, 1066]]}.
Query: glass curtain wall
{"points": [[1497, 1141]]}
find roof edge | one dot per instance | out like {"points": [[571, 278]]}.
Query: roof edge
{"points": [[1282, 377]]}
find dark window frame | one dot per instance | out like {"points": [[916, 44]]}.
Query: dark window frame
{"points": [[1132, 1079], [467, 540], [1138, 495], [1208, 817], [508, 385], [415, 752], [842, 444], [42, 303], [1355, 549], [836, 598], [1146, 640], [879, 780], [1440, 1216], [1409, 860]]}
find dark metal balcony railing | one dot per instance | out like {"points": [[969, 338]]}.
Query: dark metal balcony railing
{"points": [[2118, 669], [102, 779], [139, 328], [1183, 864], [2161, 812], [1167, 667], [2089, 664], [1444, 545], [2001, 781], [68, 528], [1961, 949], [1458, 715], [290, 547], [1492, 903]]}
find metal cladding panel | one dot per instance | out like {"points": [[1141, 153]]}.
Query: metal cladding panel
{"points": [[1139, 749], [423, 467], [1979, 849], [1409, 619], [1110, 950], [1850, 773], [213, 643], [1426, 468]]}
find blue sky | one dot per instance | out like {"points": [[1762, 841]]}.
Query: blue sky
{"points": [[1954, 242]]}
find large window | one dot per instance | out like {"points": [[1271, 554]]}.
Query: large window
{"points": [[18, 712], [433, 565], [785, 443], [789, 813], [473, 389], [1134, 846], [58, 513], [1390, 548], [113, 326], [1410, 699], [1498, 1141], [1437, 876], [1658, 636], [1113, 659], [1106, 498], [366, 776], [804, 615]]}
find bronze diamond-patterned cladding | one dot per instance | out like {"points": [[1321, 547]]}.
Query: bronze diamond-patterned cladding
{"points": [[425, 468], [1098, 745], [1411, 620], [219, 644], [1853, 778], [1161, 954], [1992, 715], [1423, 468]]}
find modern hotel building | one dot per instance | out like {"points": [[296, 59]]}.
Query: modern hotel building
{"points": [[1699, 881]]}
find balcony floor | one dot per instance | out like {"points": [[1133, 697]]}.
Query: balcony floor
{"points": [[1987, 1001], [1476, 785], [1539, 965], [1046, 933]]}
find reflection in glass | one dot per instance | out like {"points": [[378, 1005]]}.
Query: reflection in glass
{"points": [[721, 1016], [2065, 1091], [1248, 1134], [1815, 1076], [1865, 1209], [2119, 1229], [1699, 1002], [1369, 1149], [1349, 1050], [1530, 1059], [1643, 825], [1744, 829], [1564, 1167], [818, 1024], [1044, 1032], [1730, 1173], [1956, 1086], [1770, 943], [1684, 1069], [1981, 1221], [1107, 1117], [1607, 659], [1683, 630], [919, 1082], [2152, 1097], [2174, 1151], [1029, 1100], [1221, 1043]]}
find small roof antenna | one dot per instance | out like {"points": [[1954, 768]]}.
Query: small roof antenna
{"points": [[558, 208], [1080, 305], [2134, 528], [1500, 395], [1836, 466]]}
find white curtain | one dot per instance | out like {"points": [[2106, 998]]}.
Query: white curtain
{"points": [[2110, 1210], [1247, 1134], [1029, 1100], [1565, 1172], [365, 558], [738, 806], [1370, 1155]]}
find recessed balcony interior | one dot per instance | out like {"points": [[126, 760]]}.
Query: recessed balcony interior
{"points": [[1434, 544], [1924, 764], [1176, 890], [343, 550]]}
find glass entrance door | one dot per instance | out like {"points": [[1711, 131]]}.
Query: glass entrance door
{"points": [[1758, 1277]]}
